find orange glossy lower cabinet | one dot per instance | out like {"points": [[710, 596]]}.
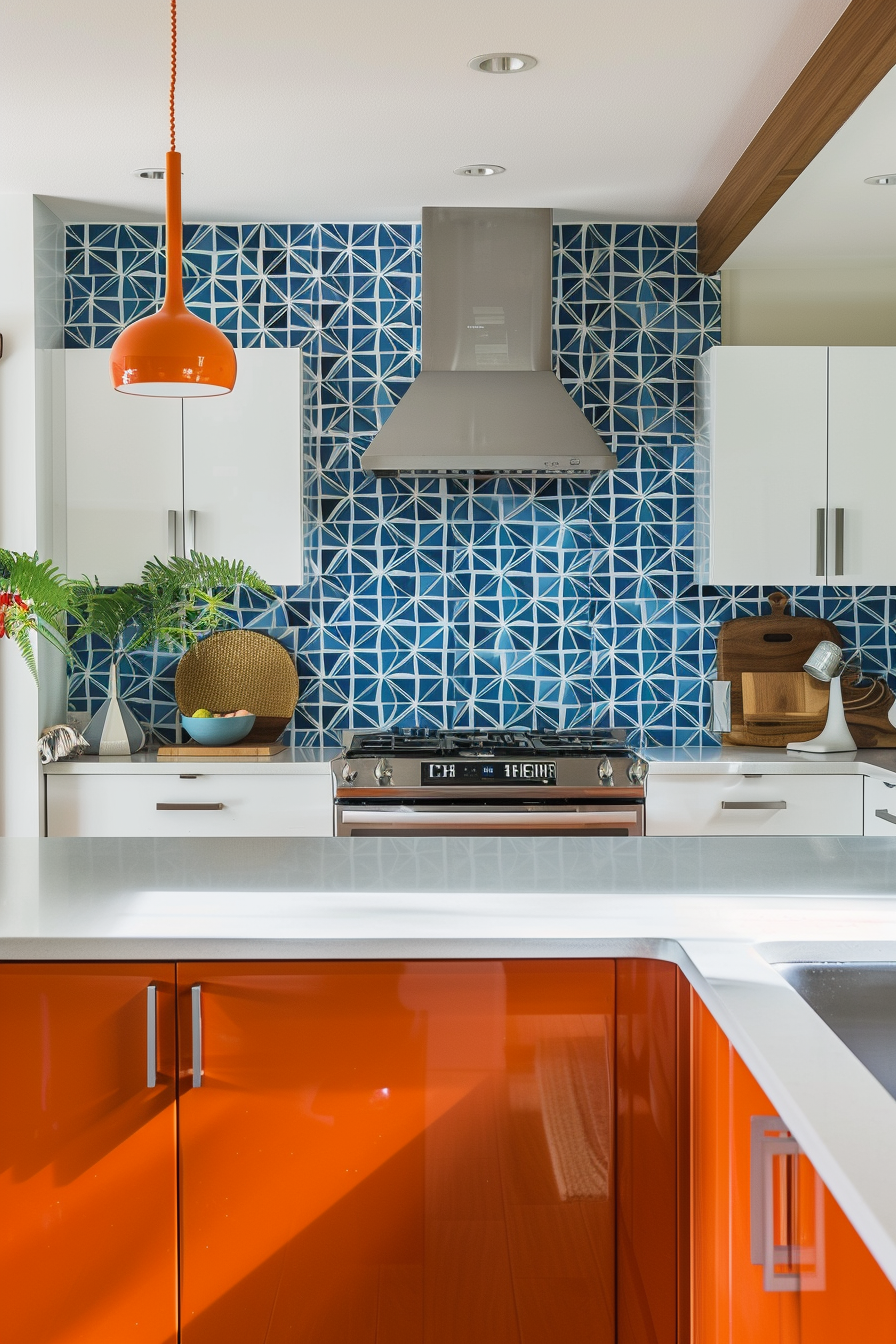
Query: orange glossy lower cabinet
{"points": [[774, 1258], [393, 1153], [88, 1225]]}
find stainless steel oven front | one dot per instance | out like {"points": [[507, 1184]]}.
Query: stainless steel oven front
{"points": [[477, 816]]}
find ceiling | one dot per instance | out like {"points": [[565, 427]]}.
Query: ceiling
{"points": [[289, 110], [830, 215]]}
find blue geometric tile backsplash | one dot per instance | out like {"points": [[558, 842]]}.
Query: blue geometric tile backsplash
{"points": [[507, 602]]}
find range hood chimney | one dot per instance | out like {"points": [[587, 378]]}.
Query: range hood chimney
{"points": [[487, 401]]}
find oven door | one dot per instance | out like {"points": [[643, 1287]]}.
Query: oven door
{"points": [[491, 818]]}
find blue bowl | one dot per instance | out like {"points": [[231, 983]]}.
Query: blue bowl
{"points": [[218, 732]]}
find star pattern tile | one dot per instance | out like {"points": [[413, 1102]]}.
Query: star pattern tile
{"points": [[501, 603]]}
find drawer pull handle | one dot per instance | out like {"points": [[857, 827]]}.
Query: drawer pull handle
{"points": [[779, 806], [885, 815], [189, 807]]}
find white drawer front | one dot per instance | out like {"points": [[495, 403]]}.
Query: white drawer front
{"points": [[754, 805], [207, 805], [880, 806]]}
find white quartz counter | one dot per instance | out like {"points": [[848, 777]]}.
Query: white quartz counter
{"points": [[293, 761], [725, 910], [876, 762]]}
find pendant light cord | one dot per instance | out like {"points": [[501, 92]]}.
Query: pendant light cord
{"points": [[173, 69]]}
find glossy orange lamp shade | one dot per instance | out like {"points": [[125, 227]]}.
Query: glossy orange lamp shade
{"points": [[173, 353]]}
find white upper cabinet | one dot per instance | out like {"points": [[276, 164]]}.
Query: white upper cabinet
{"points": [[761, 465], [795, 466], [160, 476], [243, 467], [861, 466], [123, 472]]}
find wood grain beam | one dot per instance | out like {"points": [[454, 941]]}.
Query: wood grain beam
{"points": [[852, 60]]}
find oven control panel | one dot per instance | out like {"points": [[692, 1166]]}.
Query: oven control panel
{"points": [[488, 772]]}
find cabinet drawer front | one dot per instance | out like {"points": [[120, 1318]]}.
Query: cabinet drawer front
{"points": [[880, 808], [207, 805], [754, 805]]}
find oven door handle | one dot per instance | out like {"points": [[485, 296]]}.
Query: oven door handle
{"points": [[487, 817]]}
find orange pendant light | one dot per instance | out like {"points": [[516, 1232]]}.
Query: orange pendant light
{"points": [[173, 353]]}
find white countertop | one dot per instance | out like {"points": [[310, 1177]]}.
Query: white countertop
{"points": [[723, 909], [877, 762], [292, 761]]}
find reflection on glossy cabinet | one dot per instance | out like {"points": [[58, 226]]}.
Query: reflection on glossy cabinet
{"points": [[774, 1258], [652, 1141], [88, 1224], [397, 1152]]}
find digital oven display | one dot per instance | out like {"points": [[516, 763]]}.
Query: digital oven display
{"points": [[488, 772]]}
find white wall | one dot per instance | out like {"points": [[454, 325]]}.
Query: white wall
{"points": [[810, 305], [31, 280]]}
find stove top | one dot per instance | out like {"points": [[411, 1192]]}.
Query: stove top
{"points": [[510, 743]]}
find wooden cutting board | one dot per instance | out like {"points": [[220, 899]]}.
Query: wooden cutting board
{"points": [[762, 645]]}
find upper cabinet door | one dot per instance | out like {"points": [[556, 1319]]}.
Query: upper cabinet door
{"points": [[124, 482], [761, 464], [243, 467], [861, 466], [88, 1141]]}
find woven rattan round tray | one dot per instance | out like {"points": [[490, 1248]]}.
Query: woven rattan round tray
{"points": [[240, 669]]}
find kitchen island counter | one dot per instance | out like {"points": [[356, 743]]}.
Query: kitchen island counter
{"points": [[725, 910]]}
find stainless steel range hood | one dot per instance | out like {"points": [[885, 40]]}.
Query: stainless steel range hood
{"points": [[487, 400]]}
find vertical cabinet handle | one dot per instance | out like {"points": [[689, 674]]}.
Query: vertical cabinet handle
{"points": [[172, 533], [821, 530], [196, 996], [191, 531], [786, 1221], [839, 525], [151, 1035]]}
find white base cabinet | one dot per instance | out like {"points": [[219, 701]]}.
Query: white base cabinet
{"points": [[880, 808], [189, 805], [745, 804]]}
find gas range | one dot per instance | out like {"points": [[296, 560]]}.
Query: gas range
{"points": [[493, 781]]}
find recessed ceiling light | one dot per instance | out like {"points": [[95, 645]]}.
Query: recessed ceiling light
{"points": [[151, 174], [502, 63], [884, 180], [479, 170]]}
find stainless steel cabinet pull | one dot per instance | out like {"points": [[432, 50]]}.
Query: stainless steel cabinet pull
{"points": [[838, 540], [786, 1221], [885, 815], [821, 529], [190, 539], [189, 807], [778, 806], [172, 533], [196, 996], [151, 1036]]}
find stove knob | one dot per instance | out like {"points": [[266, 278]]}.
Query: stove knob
{"points": [[605, 771], [637, 771], [383, 771], [348, 774]]}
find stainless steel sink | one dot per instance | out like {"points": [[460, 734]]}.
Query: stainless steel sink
{"points": [[858, 1002]]}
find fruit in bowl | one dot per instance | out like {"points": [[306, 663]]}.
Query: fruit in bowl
{"points": [[218, 730]]}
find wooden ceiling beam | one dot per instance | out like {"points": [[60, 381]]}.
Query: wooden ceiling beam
{"points": [[852, 60]]}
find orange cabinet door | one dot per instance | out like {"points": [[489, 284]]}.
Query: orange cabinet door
{"points": [[393, 1153], [88, 1177], [774, 1257]]}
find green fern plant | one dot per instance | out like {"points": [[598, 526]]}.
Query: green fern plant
{"points": [[176, 602], [35, 598]]}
